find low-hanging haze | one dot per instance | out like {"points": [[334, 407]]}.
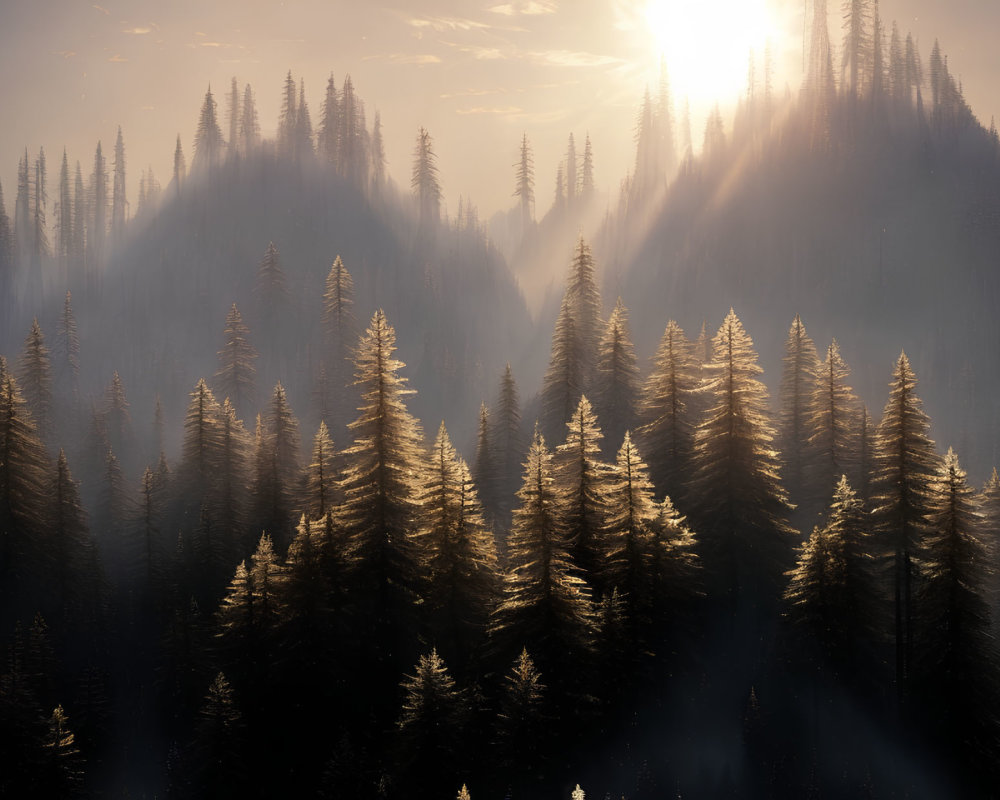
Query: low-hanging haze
{"points": [[476, 74]]}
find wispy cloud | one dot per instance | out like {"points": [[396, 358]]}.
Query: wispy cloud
{"points": [[479, 52], [572, 58], [65, 53], [102, 9], [472, 93], [488, 110], [117, 59], [442, 24], [138, 30], [405, 58], [526, 8]]}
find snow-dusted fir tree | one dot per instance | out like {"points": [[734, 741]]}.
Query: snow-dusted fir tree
{"points": [[384, 470], [667, 412], [574, 344], [905, 466], [459, 555], [736, 500], [543, 602], [833, 428], [236, 376], [616, 382], [582, 482], [798, 377]]}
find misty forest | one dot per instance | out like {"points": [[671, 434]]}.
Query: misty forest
{"points": [[310, 487]]}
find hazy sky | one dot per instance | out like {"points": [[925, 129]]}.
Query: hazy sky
{"points": [[475, 73]]}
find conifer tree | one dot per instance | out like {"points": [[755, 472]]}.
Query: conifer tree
{"points": [[22, 211], [458, 552], [384, 470], [73, 556], [230, 481], [6, 256], [587, 174], [424, 181], [543, 599], [180, 167], [522, 722], [39, 199], [303, 126], [524, 186], [989, 504], [116, 415], [98, 204], [286, 121], [249, 125], [832, 425], [904, 464], [798, 377], [271, 287], [233, 117], [571, 181], [80, 214], [276, 489], [484, 470], [321, 476], [201, 444], [616, 386], [341, 331], [667, 409], [737, 503], [119, 204], [378, 153], [329, 127], [582, 482], [63, 772], [956, 672], [218, 767], [64, 216], [574, 344], [236, 362], [508, 451], [36, 377], [208, 143]]}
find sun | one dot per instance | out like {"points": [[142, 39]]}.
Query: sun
{"points": [[707, 43]]}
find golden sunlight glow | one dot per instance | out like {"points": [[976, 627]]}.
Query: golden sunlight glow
{"points": [[707, 45]]}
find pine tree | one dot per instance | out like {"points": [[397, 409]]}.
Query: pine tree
{"points": [[543, 599], [320, 476], [228, 499], [616, 384], [587, 175], [667, 407], [832, 422], [249, 126], [459, 555], [116, 414], [424, 181], [97, 230], [119, 205], [508, 450], [858, 43], [524, 186], [64, 216], [180, 167], [378, 154], [35, 376], [574, 344], [484, 470], [522, 722], [738, 505], [218, 767], [341, 331], [236, 362], [571, 181], [6, 258], [63, 772], [208, 143], [303, 126], [798, 376], [989, 504], [904, 467], [22, 212], [955, 673], [277, 459], [832, 593], [582, 481], [80, 216], [233, 117], [201, 445], [383, 473], [271, 287], [329, 127], [73, 556], [286, 122], [40, 200]]}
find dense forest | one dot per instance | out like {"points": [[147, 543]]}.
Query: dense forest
{"points": [[234, 562]]}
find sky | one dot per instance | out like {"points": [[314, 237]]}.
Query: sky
{"points": [[476, 73]]}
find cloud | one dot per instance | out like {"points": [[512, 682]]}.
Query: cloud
{"points": [[572, 58], [117, 59], [442, 24], [529, 8], [472, 93], [488, 110], [405, 58], [102, 9], [139, 30], [65, 53], [479, 53]]}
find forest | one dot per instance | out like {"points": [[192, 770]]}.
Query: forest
{"points": [[240, 556]]}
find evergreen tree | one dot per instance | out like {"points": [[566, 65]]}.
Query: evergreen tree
{"points": [[303, 126], [36, 377], [229, 487], [574, 344], [98, 203], [543, 599], [80, 216], [524, 187], [424, 181], [63, 773], [233, 117], [989, 504], [587, 175], [904, 464], [321, 476], [508, 450], [23, 234], [118, 420], [383, 473], [616, 385], [40, 200], [249, 126], [460, 557], [6, 258], [64, 216], [201, 444], [571, 181], [329, 127], [73, 553], [582, 482], [236, 362], [798, 377], [738, 505], [286, 121], [378, 153], [218, 767], [180, 166], [208, 143], [278, 470], [340, 329], [667, 407], [956, 672], [484, 470], [832, 423], [119, 205], [832, 592], [522, 727], [271, 287]]}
